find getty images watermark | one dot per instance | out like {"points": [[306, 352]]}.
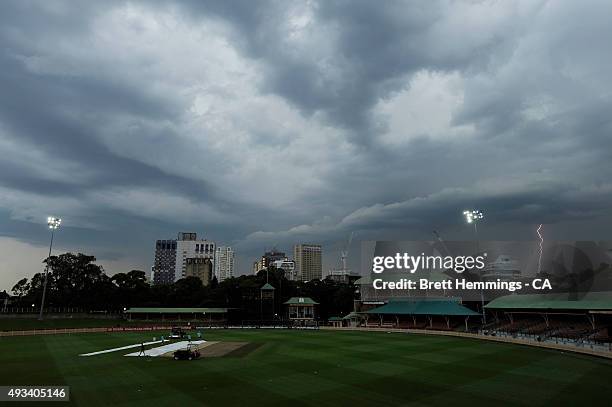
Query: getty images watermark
{"points": [[472, 270]]}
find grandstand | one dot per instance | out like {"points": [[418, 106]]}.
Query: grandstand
{"points": [[580, 318], [415, 309], [421, 313], [576, 318]]}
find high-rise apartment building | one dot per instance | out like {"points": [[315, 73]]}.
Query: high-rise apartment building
{"points": [[224, 263], [256, 266], [170, 263], [307, 259], [164, 264]]}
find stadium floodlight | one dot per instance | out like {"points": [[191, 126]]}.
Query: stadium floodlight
{"points": [[53, 224], [473, 216]]}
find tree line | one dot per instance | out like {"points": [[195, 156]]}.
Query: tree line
{"points": [[76, 281]]}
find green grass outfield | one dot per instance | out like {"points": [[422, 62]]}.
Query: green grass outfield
{"points": [[298, 368]]}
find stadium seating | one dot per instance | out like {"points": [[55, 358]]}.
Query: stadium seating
{"points": [[601, 335]]}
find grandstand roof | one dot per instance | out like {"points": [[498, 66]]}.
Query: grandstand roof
{"points": [[267, 287], [448, 307], [363, 280], [301, 301], [175, 310], [352, 315], [556, 301]]}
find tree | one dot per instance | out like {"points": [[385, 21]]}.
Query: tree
{"points": [[21, 289], [135, 279], [187, 291], [75, 280]]}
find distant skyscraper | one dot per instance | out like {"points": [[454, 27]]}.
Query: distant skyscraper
{"points": [[171, 256], [164, 265], [288, 267], [201, 268], [307, 259], [267, 259], [224, 263]]}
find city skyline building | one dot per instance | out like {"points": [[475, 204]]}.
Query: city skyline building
{"points": [[308, 264], [267, 259], [288, 267], [224, 263], [201, 268], [170, 262]]}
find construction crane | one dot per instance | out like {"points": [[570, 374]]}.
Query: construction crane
{"points": [[344, 253]]}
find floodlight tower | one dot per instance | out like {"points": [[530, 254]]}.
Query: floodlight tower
{"points": [[473, 217], [53, 224]]}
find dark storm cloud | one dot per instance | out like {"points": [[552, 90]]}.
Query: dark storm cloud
{"points": [[62, 116], [290, 121], [374, 47]]}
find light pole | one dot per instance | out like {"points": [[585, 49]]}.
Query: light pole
{"points": [[473, 217], [53, 224]]}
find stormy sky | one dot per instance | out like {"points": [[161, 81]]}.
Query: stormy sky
{"points": [[260, 124]]}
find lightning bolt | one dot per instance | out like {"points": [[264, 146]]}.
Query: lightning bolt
{"points": [[541, 248]]}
